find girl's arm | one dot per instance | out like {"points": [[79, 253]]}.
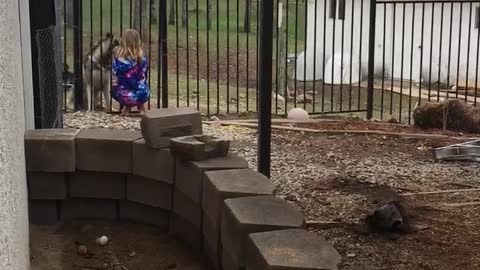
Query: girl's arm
{"points": [[114, 73], [145, 68]]}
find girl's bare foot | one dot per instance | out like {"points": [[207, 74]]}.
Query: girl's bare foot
{"points": [[126, 111]]}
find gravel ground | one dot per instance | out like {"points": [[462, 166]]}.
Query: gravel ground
{"points": [[342, 178]]}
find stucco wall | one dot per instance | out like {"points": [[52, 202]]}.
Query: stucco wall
{"points": [[14, 252]]}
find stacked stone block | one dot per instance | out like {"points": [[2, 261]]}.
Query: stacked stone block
{"points": [[170, 177], [188, 190], [221, 185], [159, 126], [49, 155], [105, 173], [104, 159], [290, 249], [243, 216]]}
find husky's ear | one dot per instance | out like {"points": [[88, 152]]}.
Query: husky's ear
{"points": [[108, 35], [115, 42]]}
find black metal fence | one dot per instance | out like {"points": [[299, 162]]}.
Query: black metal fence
{"points": [[203, 53]]}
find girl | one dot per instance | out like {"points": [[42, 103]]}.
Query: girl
{"points": [[129, 68]]}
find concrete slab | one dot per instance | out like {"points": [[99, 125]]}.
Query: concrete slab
{"points": [[105, 150], [160, 125], [145, 214], [211, 241], [190, 174], [47, 186], [88, 209], [225, 184], [42, 212], [152, 163], [97, 185], [184, 207], [186, 231], [242, 216], [229, 262], [149, 192], [50, 150], [293, 249], [199, 147]]}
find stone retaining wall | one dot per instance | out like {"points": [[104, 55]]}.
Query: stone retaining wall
{"points": [[212, 201]]}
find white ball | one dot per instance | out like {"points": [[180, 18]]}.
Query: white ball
{"points": [[298, 114], [102, 241]]}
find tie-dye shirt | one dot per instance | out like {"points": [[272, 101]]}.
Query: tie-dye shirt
{"points": [[131, 88]]}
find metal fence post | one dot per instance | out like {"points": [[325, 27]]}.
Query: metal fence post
{"points": [[163, 47], [77, 53], [265, 84], [371, 58]]}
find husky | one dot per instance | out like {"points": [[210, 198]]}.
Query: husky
{"points": [[97, 69]]}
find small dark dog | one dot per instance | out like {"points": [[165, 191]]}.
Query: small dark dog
{"points": [[68, 81]]}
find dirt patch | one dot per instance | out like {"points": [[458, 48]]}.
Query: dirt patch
{"points": [[343, 178], [451, 114], [379, 126], [131, 246], [237, 67], [377, 194], [367, 170]]}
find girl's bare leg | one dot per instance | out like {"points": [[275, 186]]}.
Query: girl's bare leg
{"points": [[141, 109]]}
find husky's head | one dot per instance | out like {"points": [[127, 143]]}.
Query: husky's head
{"points": [[103, 50], [110, 42]]}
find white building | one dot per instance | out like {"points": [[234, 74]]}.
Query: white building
{"points": [[397, 24]]}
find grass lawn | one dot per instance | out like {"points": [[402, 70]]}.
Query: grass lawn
{"points": [[221, 97], [227, 19]]}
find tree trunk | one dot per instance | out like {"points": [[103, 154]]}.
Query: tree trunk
{"points": [[184, 13], [153, 12], [171, 12], [247, 20], [209, 14], [282, 52], [140, 18]]}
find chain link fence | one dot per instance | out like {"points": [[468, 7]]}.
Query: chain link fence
{"points": [[50, 76]]}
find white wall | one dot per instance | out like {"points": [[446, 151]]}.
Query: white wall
{"points": [[14, 245], [27, 65], [396, 47]]}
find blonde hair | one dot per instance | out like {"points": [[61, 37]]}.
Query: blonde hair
{"points": [[130, 46]]}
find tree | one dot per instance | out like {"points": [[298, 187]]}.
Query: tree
{"points": [[171, 13], [184, 13], [209, 14], [247, 18], [140, 12], [282, 80]]}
